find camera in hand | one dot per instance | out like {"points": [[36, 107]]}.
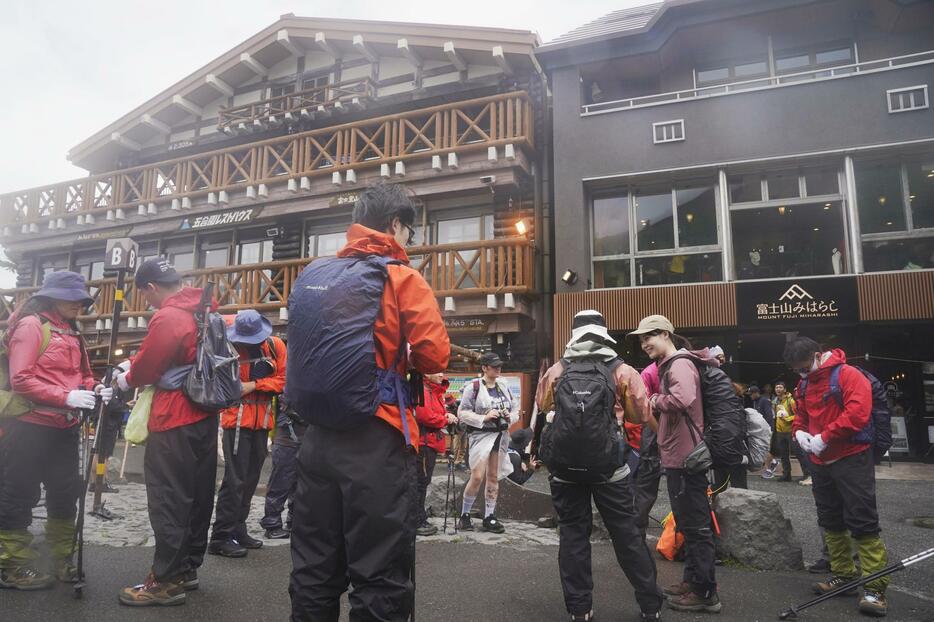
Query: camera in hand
{"points": [[502, 422]]}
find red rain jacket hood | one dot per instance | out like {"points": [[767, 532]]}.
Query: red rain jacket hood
{"points": [[433, 416]]}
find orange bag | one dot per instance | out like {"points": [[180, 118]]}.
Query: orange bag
{"points": [[670, 543]]}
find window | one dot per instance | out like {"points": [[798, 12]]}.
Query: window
{"points": [[748, 69], [706, 76], [459, 231], [90, 264], [788, 241], [745, 188], [279, 91], [52, 263], [791, 63], [215, 250], [796, 61], [783, 185], [259, 251], [655, 235], [326, 244], [668, 131], [899, 254], [180, 253], [879, 198], [911, 98], [148, 250], [921, 193], [751, 70], [837, 56], [821, 181]]}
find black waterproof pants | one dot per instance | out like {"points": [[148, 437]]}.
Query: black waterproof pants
{"points": [[427, 457], [845, 495], [180, 467], [647, 478], [241, 476], [32, 456], [281, 487], [688, 496], [354, 524], [615, 503]]}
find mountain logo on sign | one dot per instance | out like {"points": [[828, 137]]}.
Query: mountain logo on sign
{"points": [[796, 292], [185, 225]]}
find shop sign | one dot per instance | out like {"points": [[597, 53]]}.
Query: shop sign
{"points": [[233, 217], [899, 435], [465, 325], [345, 198], [103, 235], [797, 301]]}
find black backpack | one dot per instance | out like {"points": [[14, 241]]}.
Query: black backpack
{"points": [[724, 415], [214, 380], [581, 443]]}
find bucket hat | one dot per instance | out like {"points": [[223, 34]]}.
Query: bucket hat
{"points": [[65, 285], [249, 327], [590, 324]]}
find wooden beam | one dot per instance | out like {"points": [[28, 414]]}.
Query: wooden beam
{"points": [[156, 124], [219, 85], [322, 42], [187, 105], [365, 50], [413, 57], [123, 141], [456, 59], [500, 59], [293, 48], [255, 66]]}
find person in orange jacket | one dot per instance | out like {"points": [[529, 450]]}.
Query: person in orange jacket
{"points": [[432, 417], [246, 430], [354, 505]]}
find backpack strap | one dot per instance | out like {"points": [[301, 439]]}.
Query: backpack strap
{"points": [[835, 390]]}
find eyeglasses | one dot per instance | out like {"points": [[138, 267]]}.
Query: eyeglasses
{"points": [[803, 370], [411, 230]]}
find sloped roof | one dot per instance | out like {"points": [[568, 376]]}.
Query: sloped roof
{"points": [[635, 18]]}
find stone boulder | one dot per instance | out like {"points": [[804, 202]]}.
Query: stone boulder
{"points": [[755, 532]]}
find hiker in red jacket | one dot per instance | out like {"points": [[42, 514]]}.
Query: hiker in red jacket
{"points": [[48, 366], [432, 418], [842, 469], [180, 465]]}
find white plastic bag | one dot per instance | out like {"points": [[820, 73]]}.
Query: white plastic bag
{"points": [[137, 426]]}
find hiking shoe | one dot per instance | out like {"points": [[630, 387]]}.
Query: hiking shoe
{"points": [[25, 578], [106, 488], [226, 548], [834, 583], [873, 603], [583, 617], [768, 474], [805, 481], [248, 542], [653, 617], [678, 589], [694, 602], [426, 529], [66, 572], [277, 534], [152, 593], [189, 580], [464, 523], [821, 566], [492, 524]]}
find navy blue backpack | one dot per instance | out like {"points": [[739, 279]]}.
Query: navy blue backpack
{"points": [[878, 432], [332, 378]]}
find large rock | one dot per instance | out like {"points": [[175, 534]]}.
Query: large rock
{"points": [[755, 532], [514, 502]]}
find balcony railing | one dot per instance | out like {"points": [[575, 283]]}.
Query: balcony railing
{"points": [[458, 127], [306, 104], [744, 86], [499, 266]]}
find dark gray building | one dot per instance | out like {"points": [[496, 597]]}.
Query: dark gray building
{"points": [[753, 168]]}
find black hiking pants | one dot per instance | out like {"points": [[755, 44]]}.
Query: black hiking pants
{"points": [[281, 487], [688, 495], [354, 524], [427, 457], [180, 467], [647, 478], [615, 503], [241, 476]]}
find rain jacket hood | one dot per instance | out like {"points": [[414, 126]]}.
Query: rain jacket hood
{"points": [[365, 241]]}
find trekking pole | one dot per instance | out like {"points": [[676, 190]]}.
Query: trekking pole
{"points": [[792, 612]]}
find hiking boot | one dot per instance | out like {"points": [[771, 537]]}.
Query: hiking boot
{"points": [[805, 481], [277, 534], [25, 578], [152, 593], [226, 548], [821, 566], [426, 529], [583, 617], [248, 542], [678, 589], [768, 474], [189, 580], [650, 617], [834, 583], [106, 488], [492, 524], [873, 604], [464, 523], [694, 602], [66, 572]]}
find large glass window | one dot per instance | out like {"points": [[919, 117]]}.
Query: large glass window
{"points": [[181, 253], [879, 197], [459, 231], [654, 218], [898, 254], [215, 250], [611, 226], [789, 241], [921, 192], [783, 185], [326, 244], [697, 216], [611, 273], [694, 268]]}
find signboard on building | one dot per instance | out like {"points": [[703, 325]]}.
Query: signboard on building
{"points": [[231, 217], [344, 198], [797, 302], [899, 435], [103, 235], [467, 325]]}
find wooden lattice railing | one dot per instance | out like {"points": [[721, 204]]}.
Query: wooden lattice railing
{"points": [[469, 269], [457, 127]]}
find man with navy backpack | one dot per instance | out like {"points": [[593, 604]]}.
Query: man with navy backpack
{"points": [[357, 323], [586, 396], [839, 424]]}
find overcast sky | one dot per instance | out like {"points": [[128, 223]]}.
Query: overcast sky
{"points": [[70, 68]]}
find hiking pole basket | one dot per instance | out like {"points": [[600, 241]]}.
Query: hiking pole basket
{"points": [[792, 612]]}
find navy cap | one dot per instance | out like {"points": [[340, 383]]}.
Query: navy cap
{"points": [[491, 359], [65, 285], [249, 327], [156, 271]]}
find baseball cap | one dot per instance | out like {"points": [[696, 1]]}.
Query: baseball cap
{"points": [[652, 323], [156, 271]]}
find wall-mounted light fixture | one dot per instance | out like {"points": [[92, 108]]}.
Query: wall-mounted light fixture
{"points": [[569, 277], [522, 226]]}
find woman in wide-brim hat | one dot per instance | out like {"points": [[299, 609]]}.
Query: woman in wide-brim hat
{"points": [[48, 367]]}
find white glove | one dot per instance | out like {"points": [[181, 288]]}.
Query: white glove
{"points": [[80, 398], [818, 445], [106, 393], [124, 366], [804, 440], [122, 383]]}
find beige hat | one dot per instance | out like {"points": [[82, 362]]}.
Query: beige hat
{"points": [[653, 322]]}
